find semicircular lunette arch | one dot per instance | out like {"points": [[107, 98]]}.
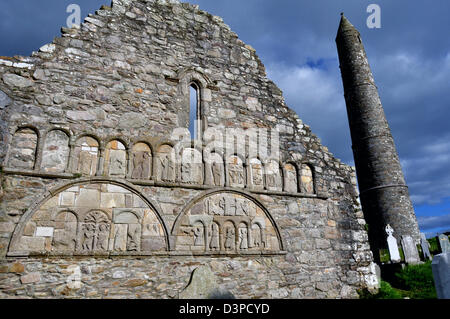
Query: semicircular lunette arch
{"points": [[91, 218], [226, 222]]}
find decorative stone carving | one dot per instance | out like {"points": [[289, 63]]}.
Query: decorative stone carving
{"points": [[214, 170], [127, 232], [115, 159], [235, 172], [92, 218], [55, 154], [392, 245], [226, 223], [166, 164], [256, 174], [214, 236], [290, 178], [95, 231], [65, 234], [273, 176], [307, 182], [243, 237], [22, 153], [191, 166], [85, 156], [141, 161]]}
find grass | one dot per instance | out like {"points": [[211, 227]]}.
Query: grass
{"points": [[413, 282]]}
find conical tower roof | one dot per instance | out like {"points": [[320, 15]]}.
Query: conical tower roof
{"points": [[345, 26]]}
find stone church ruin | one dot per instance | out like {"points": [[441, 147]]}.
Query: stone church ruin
{"points": [[100, 173]]}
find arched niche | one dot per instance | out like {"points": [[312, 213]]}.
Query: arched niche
{"points": [[85, 156], [235, 171], [214, 169], [141, 161], [91, 217], [226, 222], [115, 159], [191, 166], [22, 153], [290, 178], [166, 164], [273, 176], [255, 174], [307, 179], [55, 153]]}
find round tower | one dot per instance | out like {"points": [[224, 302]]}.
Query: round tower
{"points": [[383, 192]]}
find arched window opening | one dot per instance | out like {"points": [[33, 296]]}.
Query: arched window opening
{"points": [[194, 111]]}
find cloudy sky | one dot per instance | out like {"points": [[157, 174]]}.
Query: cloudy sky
{"points": [[409, 56]]}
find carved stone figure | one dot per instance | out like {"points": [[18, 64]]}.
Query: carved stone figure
{"points": [[199, 236], [186, 173], [217, 169], [141, 165], [242, 207], [243, 238], [88, 236], [133, 235], [214, 235], [236, 171], [87, 163], [256, 236], [167, 168], [256, 176], [102, 237], [96, 231], [64, 237], [229, 238]]}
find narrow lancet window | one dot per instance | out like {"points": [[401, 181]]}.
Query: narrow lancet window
{"points": [[194, 110]]}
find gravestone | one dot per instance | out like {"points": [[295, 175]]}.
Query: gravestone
{"points": [[392, 245], [443, 243], [441, 274], [425, 246], [410, 250]]}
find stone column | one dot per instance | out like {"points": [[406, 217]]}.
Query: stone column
{"points": [[383, 191]]}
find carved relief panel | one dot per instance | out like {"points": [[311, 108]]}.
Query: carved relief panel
{"points": [[215, 170], [115, 159], [191, 166], [256, 174], [85, 156], [274, 181], [92, 219], [235, 172], [166, 164], [226, 223], [141, 161]]}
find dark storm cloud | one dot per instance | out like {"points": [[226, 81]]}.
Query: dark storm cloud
{"points": [[409, 56]]}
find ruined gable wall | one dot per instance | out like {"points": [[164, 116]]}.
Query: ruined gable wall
{"points": [[123, 78]]}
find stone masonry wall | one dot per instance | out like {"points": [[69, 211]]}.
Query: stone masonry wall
{"points": [[94, 177]]}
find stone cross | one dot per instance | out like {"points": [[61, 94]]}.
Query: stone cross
{"points": [[410, 250], [392, 245]]}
